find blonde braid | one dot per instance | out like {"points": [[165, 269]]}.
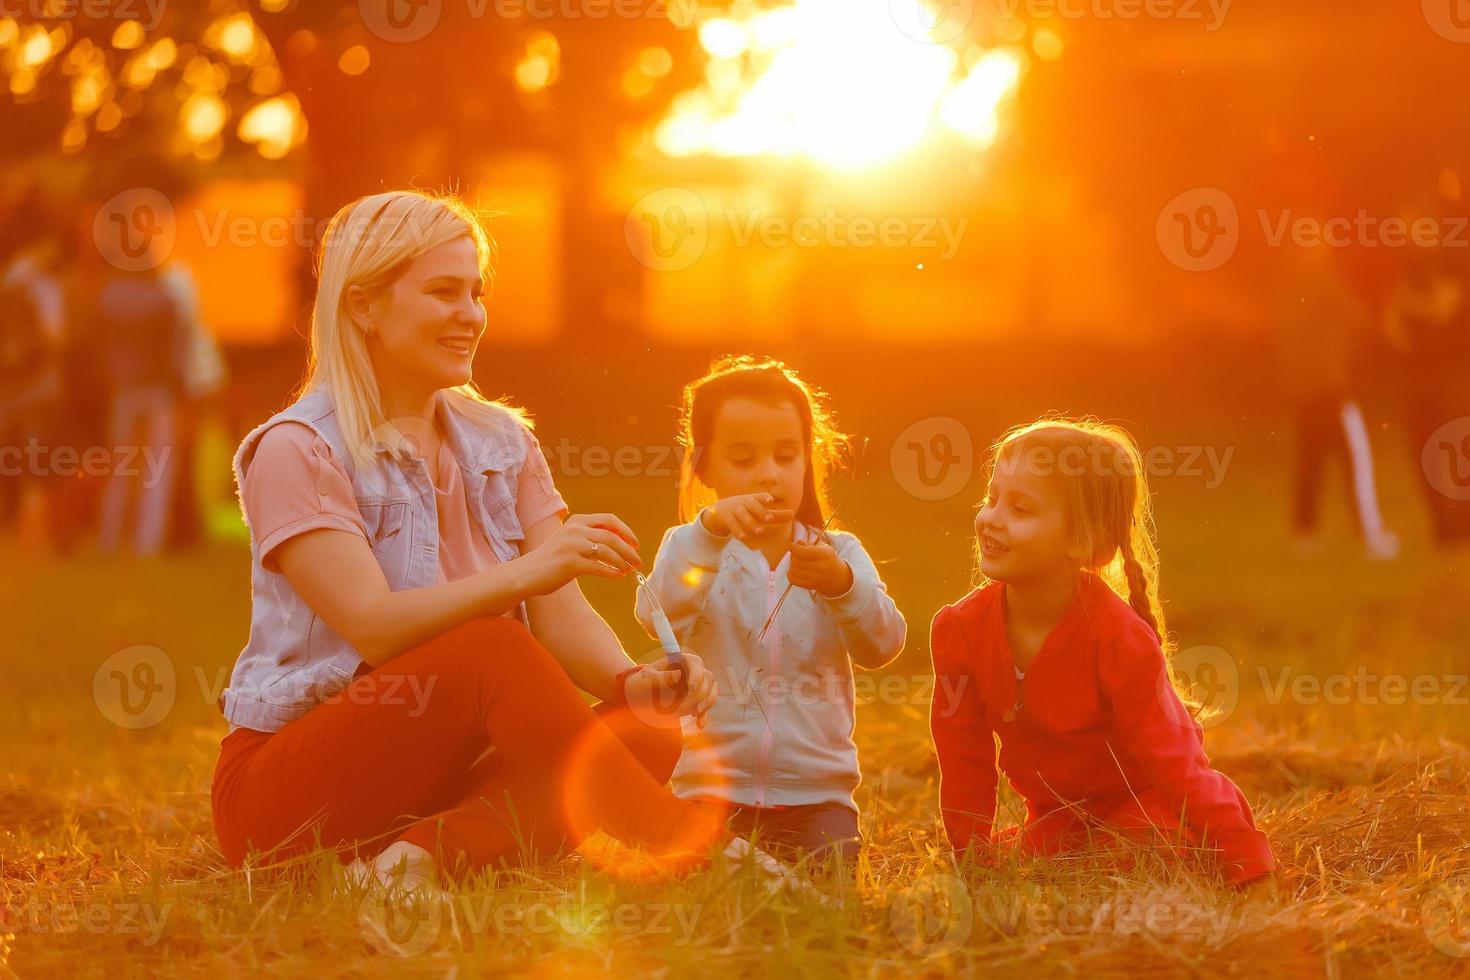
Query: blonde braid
{"points": [[1143, 590]]}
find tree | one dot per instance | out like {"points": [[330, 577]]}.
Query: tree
{"points": [[383, 107]]}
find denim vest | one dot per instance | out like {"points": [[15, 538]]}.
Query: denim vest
{"points": [[293, 660]]}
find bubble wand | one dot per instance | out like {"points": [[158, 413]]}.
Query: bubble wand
{"points": [[666, 638], [821, 535], [667, 641]]}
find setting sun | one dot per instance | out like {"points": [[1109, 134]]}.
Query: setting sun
{"points": [[784, 82]]}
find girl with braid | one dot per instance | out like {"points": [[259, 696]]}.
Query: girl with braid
{"points": [[1049, 661]]}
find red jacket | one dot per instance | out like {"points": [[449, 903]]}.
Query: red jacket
{"points": [[1099, 724]]}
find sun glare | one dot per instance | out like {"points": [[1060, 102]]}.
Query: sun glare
{"points": [[839, 82]]}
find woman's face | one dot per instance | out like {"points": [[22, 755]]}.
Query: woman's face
{"points": [[424, 327], [756, 447]]}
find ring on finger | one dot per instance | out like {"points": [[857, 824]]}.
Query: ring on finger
{"points": [[596, 546]]}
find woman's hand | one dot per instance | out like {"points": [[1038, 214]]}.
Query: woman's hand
{"points": [[745, 515], [651, 692], [816, 566], [586, 544]]}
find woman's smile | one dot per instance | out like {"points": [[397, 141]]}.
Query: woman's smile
{"points": [[460, 345]]}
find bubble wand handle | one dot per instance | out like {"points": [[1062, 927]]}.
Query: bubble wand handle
{"points": [[666, 638]]}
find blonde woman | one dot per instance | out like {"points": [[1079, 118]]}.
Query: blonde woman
{"points": [[418, 635]]}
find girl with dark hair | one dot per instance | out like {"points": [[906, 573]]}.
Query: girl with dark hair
{"points": [[778, 749]]}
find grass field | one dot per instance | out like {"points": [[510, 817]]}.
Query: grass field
{"points": [[109, 867]]}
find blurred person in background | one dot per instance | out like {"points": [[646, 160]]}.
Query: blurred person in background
{"points": [[202, 382], [80, 419], [32, 334], [1427, 321], [145, 349], [1322, 325]]}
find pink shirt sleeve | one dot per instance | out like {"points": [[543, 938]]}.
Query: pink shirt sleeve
{"points": [[295, 484], [536, 495]]}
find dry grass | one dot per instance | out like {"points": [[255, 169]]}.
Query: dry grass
{"points": [[109, 867]]}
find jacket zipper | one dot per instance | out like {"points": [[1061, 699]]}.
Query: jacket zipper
{"points": [[1015, 711], [773, 660]]}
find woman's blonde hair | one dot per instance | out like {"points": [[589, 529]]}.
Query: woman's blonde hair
{"points": [[1109, 509], [368, 243], [769, 381]]}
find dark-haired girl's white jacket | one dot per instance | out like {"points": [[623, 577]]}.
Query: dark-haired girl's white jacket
{"points": [[780, 733]]}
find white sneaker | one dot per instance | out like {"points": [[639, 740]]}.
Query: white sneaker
{"points": [[403, 910], [400, 865], [777, 876]]}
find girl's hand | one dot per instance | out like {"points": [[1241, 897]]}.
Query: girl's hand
{"points": [[816, 566], [587, 544], [746, 515], [651, 692]]}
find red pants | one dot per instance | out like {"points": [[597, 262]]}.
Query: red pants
{"points": [[400, 754]]}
